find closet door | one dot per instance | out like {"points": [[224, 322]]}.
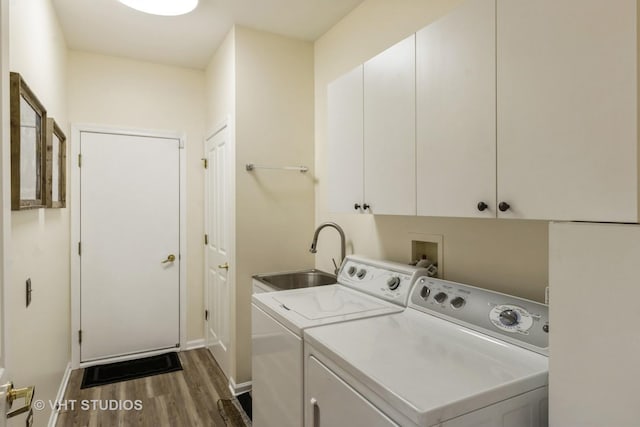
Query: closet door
{"points": [[567, 109], [389, 130], [456, 113], [345, 136]]}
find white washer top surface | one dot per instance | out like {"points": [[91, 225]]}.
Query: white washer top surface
{"points": [[303, 308], [426, 368]]}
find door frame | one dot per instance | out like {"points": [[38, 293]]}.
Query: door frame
{"points": [[74, 200], [5, 191]]}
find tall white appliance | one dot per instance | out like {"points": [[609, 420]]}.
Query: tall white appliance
{"points": [[594, 366]]}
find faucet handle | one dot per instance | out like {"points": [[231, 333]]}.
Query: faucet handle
{"points": [[335, 265]]}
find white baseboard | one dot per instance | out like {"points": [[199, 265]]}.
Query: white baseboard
{"points": [[237, 389], [192, 345], [60, 396]]}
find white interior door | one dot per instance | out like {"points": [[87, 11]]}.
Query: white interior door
{"points": [[217, 227], [130, 240]]}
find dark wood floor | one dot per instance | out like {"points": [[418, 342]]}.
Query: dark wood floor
{"points": [[184, 398]]}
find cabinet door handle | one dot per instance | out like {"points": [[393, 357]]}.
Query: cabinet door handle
{"points": [[357, 206], [482, 206], [366, 207], [504, 206], [316, 412]]}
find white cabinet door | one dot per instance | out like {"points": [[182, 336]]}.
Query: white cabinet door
{"points": [[389, 130], [330, 402], [456, 113], [345, 136], [567, 119]]}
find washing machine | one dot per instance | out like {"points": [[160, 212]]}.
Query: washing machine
{"points": [[458, 356], [366, 288]]}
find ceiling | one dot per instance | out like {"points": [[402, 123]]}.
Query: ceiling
{"points": [[108, 27]]}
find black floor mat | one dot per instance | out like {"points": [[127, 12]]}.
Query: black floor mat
{"points": [[130, 369], [245, 402]]}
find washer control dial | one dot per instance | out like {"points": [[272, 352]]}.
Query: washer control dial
{"points": [[440, 297], [458, 302], [508, 317], [393, 283], [424, 292], [352, 270], [361, 273], [511, 318]]}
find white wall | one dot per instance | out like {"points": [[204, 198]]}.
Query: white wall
{"points": [[508, 256], [37, 338], [126, 93], [274, 126], [221, 83], [272, 112]]}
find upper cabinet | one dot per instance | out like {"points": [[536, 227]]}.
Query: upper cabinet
{"points": [[502, 108], [456, 113], [371, 132], [390, 131], [567, 109], [345, 148]]}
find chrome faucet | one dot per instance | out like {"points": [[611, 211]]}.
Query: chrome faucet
{"points": [[314, 244]]}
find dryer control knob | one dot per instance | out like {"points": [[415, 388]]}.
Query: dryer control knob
{"points": [[352, 270], [458, 302], [393, 283], [440, 297], [509, 317], [361, 273]]}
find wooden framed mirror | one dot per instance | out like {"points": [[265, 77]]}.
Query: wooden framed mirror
{"points": [[28, 154], [56, 166]]}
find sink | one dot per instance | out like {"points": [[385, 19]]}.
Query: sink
{"points": [[296, 279]]}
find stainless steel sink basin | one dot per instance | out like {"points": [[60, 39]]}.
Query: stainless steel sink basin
{"points": [[296, 279]]}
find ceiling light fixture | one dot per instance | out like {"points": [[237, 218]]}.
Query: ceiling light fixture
{"points": [[162, 7]]}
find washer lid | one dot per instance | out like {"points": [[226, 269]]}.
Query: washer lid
{"points": [[303, 308], [428, 369]]}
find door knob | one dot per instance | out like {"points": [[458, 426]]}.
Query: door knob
{"points": [[19, 393], [482, 206], [225, 266], [170, 258]]}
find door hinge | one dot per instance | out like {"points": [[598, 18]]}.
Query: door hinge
{"points": [[206, 163], [206, 239], [79, 336], [206, 315], [79, 248], [79, 160]]}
